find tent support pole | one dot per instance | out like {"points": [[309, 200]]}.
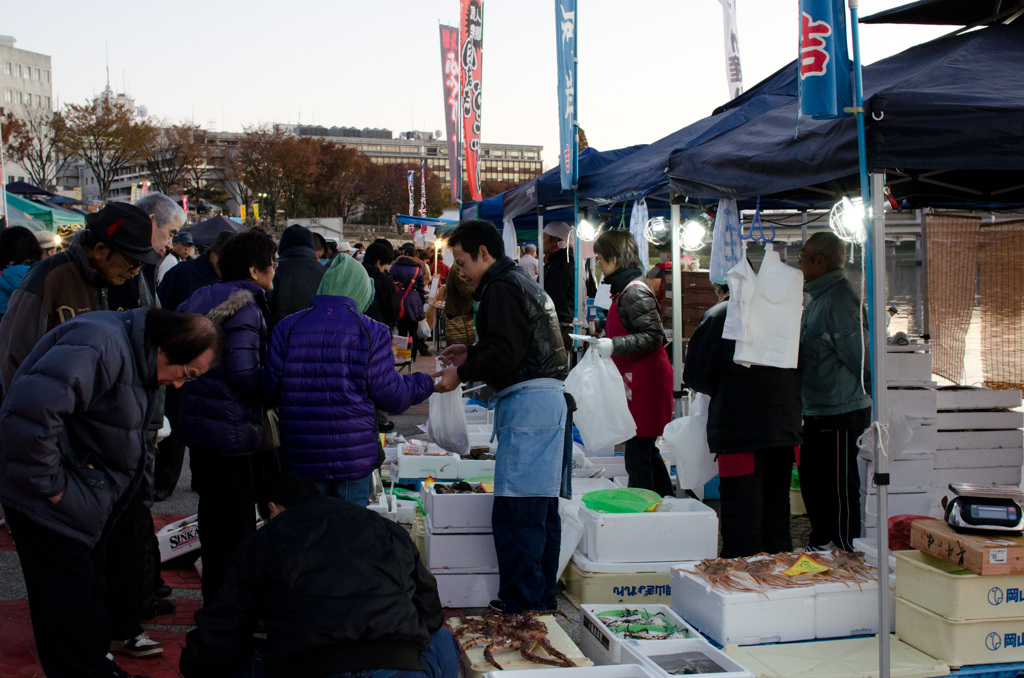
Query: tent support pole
{"points": [[540, 248], [879, 396], [677, 317]]}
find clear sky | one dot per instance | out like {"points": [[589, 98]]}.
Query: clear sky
{"points": [[646, 67]]}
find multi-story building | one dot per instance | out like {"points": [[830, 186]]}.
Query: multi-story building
{"points": [[501, 162], [26, 88]]}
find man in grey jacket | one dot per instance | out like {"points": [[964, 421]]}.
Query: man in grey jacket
{"points": [[72, 447], [836, 401]]}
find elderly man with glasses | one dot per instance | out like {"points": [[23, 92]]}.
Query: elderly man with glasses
{"points": [[108, 252]]}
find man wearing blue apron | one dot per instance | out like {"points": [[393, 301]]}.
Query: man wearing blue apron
{"points": [[519, 353]]}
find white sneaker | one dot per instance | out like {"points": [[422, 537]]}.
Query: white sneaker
{"points": [[139, 646]]}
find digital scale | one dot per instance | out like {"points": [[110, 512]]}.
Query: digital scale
{"points": [[985, 508]]}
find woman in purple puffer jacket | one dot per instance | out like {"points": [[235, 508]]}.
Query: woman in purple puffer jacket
{"points": [[329, 367], [221, 415]]}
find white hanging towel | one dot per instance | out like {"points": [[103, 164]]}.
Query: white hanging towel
{"points": [[508, 236], [726, 247], [638, 229], [771, 318], [742, 286]]}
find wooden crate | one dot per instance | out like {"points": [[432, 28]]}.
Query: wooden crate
{"points": [[982, 554]]}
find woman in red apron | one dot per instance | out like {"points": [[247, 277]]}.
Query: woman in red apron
{"points": [[634, 338]]}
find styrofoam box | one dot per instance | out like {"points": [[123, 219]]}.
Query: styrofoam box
{"points": [[623, 671], [616, 583], [580, 486], [975, 421], [1006, 456], [775, 616], [976, 399], [406, 510], [909, 473], [842, 610], [471, 468], [605, 647], [647, 654], [417, 467], [178, 538], [687, 530], [869, 547], [959, 643], [386, 506], [908, 367], [460, 552], [913, 402], [949, 591], [979, 440], [613, 466], [474, 589], [457, 513], [478, 414]]}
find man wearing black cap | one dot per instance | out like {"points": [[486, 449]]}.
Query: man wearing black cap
{"points": [[182, 249], [109, 251]]}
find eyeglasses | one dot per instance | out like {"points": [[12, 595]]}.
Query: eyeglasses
{"points": [[188, 376], [131, 263]]}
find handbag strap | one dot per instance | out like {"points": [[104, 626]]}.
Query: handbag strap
{"points": [[408, 287]]}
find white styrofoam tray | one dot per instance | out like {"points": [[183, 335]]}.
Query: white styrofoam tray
{"points": [[417, 467], [604, 646], [649, 655], [470, 589], [460, 553], [685, 530]]}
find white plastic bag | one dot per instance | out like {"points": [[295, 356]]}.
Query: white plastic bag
{"points": [[446, 423], [686, 440], [602, 412], [423, 329]]}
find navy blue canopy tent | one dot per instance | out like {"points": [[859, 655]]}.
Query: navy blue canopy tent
{"points": [[25, 188], [546, 190], [205, 233], [944, 120], [643, 174], [948, 12]]}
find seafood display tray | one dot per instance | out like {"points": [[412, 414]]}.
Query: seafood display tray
{"points": [[476, 666], [473, 589], [744, 618], [457, 513], [688, 530], [604, 646], [460, 553], [960, 643], [949, 591], [616, 583], [654, 655]]}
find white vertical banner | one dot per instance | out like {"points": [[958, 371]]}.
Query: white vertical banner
{"points": [[733, 71], [509, 239]]}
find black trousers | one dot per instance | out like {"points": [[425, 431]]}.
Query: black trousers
{"points": [[172, 450], [646, 468], [230, 487], [755, 507], [830, 481], [527, 537], [133, 568], [67, 598], [407, 328]]}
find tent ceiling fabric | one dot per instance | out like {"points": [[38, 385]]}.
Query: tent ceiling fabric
{"points": [[944, 119], [949, 13]]}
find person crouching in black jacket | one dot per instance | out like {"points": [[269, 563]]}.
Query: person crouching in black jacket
{"points": [[341, 590]]}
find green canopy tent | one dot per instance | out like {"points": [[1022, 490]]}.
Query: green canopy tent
{"points": [[16, 217], [52, 217]]}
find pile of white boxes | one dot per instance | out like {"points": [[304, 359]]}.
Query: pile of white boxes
{"points": [[939, 436], [460, 547], [627, 557]]}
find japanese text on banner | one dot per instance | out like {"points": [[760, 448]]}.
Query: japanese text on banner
{"points": [[825, 78], [471, 38], [451, 73], [565, 36]]}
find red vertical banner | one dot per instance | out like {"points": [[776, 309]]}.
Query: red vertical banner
{"points": [[423, 188], [451, 73], [184, 204], [471, 39]]}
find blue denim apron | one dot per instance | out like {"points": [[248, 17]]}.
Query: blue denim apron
{"points": [[529, 425]]}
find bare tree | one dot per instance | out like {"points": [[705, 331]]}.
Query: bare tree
{"points": [[108, 137], [298, 162], [169, 158], [37, 144], [256, 164]]}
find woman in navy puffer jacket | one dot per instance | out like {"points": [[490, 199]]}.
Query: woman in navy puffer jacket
{"points": [[221, 415], [330, 366]]}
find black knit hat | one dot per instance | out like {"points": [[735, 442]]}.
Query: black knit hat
{"points": [[126, 229]]}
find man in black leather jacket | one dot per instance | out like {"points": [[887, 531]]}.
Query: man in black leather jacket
{"points": [[340, 588], [518, 353]]}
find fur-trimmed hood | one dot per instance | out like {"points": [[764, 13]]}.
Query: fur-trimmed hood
{"points": [[230, 306]]}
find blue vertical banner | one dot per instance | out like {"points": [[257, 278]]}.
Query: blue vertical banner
{"points": [[826, 87], [565, 29]]}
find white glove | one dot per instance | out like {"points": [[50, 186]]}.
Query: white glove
{"points": [[604, 347]]}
